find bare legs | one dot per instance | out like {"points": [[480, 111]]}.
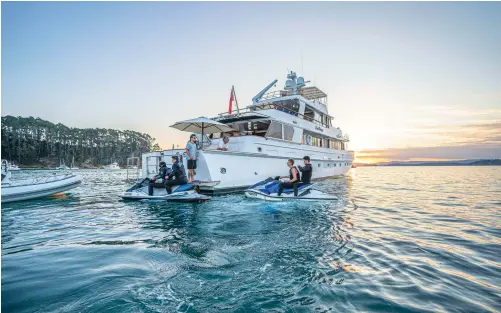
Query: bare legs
{"points": [[191, 175]]}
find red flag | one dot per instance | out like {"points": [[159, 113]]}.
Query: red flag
{"points": [[230, 105]]}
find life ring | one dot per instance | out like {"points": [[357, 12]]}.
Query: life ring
{"points": [[308, 140]]}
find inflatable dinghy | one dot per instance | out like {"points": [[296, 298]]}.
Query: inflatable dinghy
{"points": [[37, 187]]}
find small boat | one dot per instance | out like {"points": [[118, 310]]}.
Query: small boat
{"points": [[72, 166], [36, 187], [181, 193], [268, 190], [13, 167], [62, 166], [113, 166]]}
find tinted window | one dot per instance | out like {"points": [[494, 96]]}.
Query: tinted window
{"points": [[275, 130], [288, 132]]}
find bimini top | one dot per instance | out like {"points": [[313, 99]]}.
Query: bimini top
{"points": [[312, 93]]}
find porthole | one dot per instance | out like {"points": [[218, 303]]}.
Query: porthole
{"points": [[223, 170], [259, 149], [318, 164]]}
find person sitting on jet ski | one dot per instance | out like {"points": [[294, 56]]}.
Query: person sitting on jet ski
{"points": [[294, 179], [306, 171], [158, 180], [178, 172]]}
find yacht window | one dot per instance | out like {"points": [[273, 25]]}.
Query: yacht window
{"points": [[215, 135], [290, 106], [309, 114], [315, 141], [256, 128], [320, 118], [342, 145], [288, 132], [275, 130], [326, 121]]}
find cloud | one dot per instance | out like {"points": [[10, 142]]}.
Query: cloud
{"points": [[470, 151], [484, 131], [476, 140]]}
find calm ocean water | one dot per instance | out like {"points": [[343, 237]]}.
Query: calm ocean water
{"points": [[400, 239]]}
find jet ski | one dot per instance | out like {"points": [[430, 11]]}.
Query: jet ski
{"points": [[181, 193], [268, 190]]}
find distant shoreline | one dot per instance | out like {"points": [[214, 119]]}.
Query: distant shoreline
{"points": [[407, 165]]}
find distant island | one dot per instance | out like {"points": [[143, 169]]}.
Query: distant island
{"points": [[37, 143], [488, 162]]}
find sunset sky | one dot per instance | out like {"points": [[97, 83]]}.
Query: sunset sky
{"points": [[406, 81]]}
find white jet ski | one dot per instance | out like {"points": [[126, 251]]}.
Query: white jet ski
{"points": [[268, 190], [181, 193], [37, 187]]}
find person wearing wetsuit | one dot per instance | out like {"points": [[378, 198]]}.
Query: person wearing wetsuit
{"points": [[178, 175], [294, 179], [306, 171], [157, 181]]}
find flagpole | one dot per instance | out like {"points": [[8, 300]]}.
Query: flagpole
{"points": [[236, 101], [230, 105]]}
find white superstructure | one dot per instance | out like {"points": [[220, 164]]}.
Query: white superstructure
{"points": [[279, 125]]}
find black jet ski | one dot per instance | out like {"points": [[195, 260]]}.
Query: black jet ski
{"points": [[181, 193], [268, 190]]}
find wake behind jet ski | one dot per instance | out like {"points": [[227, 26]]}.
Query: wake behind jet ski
{"points": [[297, 188]]}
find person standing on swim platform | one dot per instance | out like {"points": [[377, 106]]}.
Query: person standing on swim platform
{"points": [[306, 171], [191, 151], [294, 179]]}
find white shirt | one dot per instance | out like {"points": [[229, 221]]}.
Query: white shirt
{"points": [[223, 145]]}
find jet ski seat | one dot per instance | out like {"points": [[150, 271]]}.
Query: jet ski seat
{"points": [[290, 190], [273, 188], [185, 187]]}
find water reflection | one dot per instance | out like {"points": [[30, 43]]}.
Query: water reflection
{"points": [[397, 238]]}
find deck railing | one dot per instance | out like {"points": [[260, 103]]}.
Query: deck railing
{"points": [[278, 107]]}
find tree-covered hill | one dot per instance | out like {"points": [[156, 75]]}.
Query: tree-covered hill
{"points": [[30, 141]]}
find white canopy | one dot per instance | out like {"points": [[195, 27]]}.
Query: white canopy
{"points": [[202, 125]]}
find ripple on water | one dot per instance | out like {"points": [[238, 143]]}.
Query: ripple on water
{"points": [[398, 239]]}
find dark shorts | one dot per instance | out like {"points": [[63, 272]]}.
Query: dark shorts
{"points": [[192, 164]]}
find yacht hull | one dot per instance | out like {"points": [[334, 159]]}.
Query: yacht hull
{"points": [[235, 171]]}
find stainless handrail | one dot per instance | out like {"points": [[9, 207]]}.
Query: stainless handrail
{"points": [[283, 109]]}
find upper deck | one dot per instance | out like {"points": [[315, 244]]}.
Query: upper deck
{"points": [[295, 88], [296, 105]]}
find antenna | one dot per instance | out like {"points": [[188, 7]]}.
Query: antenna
{"points": [[302, 67]]}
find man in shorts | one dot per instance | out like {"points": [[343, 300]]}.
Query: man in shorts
{"points": [[191, 151]]}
